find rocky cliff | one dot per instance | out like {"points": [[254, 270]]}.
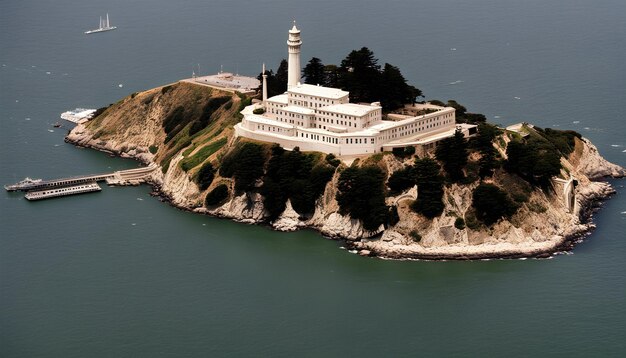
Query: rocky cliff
{"points": [[139, 126]]}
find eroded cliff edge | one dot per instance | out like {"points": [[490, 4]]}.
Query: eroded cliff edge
{"points": [[186, 129]]}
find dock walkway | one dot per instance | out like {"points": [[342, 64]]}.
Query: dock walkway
{"points": [[42, 189]]}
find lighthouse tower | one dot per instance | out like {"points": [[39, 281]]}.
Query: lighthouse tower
{"points": [[294, 44]]}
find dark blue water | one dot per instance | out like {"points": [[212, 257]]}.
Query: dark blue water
{"points": [[110, 275]]}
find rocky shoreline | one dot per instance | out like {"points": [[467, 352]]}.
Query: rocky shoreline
{"points": [[363, 246], [546, 221]]}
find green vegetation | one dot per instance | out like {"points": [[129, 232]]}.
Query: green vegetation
{"points": [[179, 118], [359, 73], [564, 141], [217, 195], [401, 179], [276, 82], [362, 195], [429, 188], [153, 149], [205, 176], [258, 111], [461, 114], [536, 160], [211, 107], [452, 152], [99, 111], [403, 152], [332, 160], [296, 176], [245, 164], [202, 154], [415, 236], [483, 142], [166, 89], [491, 203], [459, 223], [314, 72]]}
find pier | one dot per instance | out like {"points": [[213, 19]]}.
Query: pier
{"points": [[42, 189]]}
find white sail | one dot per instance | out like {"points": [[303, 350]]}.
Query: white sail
{"points": [[105, 25]]}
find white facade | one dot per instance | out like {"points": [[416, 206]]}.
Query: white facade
{"points": [[317, 118], [293, 45]]}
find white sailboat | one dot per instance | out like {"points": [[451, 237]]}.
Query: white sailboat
{"points": [[104, 26]]}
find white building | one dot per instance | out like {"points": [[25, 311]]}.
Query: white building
{"points": [[317, 118]]}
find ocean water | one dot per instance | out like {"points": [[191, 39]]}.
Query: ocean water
{"points": [[120, 274]]}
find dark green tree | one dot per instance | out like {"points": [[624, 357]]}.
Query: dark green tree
{"points": [[452, 152], [217, 195], [361, 194], [394, 91], [359, 73], [282, 76], [244, 164], [331, 76], [313, 73], [536, 160], [205, 176], [429, 188], [491, 203]]}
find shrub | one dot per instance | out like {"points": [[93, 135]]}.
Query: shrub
{"points": [[166, 89], [392, 216], [491, 203], [245, 165], [217, 195], [459, 223], [205, 176], [415, 236], [332, 160], [258, 111], [153, 149], [401, 179]]}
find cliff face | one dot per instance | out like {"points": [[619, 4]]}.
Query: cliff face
{"points": [[134, 127]]}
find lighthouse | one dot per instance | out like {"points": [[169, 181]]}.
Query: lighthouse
{"points": [[294, 43]]}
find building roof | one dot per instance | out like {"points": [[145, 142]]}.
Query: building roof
{"points": [[281, 98], [299, 110], [318, 91], [350, 109]]}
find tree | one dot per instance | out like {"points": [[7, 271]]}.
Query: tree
{"points": [[537, 160], [361, 194], [282, 77], [452, 152], [313, 73], [331, 76], [245, 165], [429, 188], [401, 179], [359, 73], [394, 91], [491, 203], [217, 195], [205, 176], [276, 83]]}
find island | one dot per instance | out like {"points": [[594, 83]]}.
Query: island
{"points": [[350, 153]]}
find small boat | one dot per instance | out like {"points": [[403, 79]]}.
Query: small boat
{"points": [[56, 125], [104, 26]]}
